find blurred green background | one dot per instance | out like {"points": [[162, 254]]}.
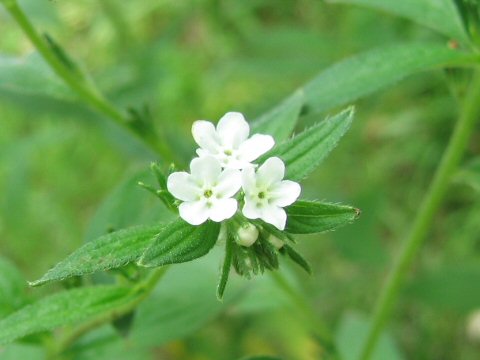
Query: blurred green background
{"points": [[190, 60]]}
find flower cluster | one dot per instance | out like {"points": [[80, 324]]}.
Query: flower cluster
{"points": [[224, 166]]}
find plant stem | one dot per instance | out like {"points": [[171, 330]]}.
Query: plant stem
{"points": [[431, 202], [84, 89], [139, 293]]}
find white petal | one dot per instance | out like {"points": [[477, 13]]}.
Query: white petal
{"points": [[250, 210], [249, 184], [222, 209], [257, 145], [206, 169], [205, 135], [272, 171], [229, 182], [194, 212], [233, 129], [275, 215], [182, 186], [285, 193]]}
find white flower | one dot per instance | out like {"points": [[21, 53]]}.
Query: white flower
{"points": [[266, 193], [247, 235], [229, 142], [206, 192]]}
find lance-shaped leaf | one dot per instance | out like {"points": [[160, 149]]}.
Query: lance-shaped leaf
{"points": [[365, 73], [68, 307], [280, 121], [439, 15], [309, 217], [110, 251], [179, 242], [303, 153]]}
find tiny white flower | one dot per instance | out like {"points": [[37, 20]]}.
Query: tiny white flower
{"points": [[266, 193], [229, 142], [247, 235], [206, 192]]}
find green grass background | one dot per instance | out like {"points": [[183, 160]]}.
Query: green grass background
{"points": [[190, 60]]}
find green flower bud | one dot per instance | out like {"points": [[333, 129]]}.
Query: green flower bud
{"points": [[275, 241], [247, 235]]}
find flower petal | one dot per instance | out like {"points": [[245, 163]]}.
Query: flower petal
{"points": [[250, 210], [205, 135], [275, 215], [257, 145], [233, 129], [205, 169], [182, 186], [272, 171], [249, 183], [285, 193], [229, 182], [222, 209], [194, 212]]}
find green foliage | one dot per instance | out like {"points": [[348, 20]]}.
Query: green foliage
{"points": [[107, 252], [304, 152], [12, 288], [179, 242], [308, 217], [227, 264], [440, 15], [280, 121], [363, 74], [68, 307]]}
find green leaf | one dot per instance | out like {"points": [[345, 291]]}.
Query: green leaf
{"points": [[280, 121], [180, 242], [439, 15], [12, 288], [304, 152], [62, 309], [363, 74], [352, 333], [110, 251], [309, 217], [296, 258], [227, 263]]}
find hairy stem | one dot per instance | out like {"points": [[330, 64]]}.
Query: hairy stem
{"points": [[141, 291], [431, 202], [83, 88]]}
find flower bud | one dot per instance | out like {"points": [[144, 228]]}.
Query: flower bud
{"points": [[247, 235], [275, 241]]}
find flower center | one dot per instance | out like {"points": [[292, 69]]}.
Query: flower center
{"points": [[261, 195], [228, 152], [208, 193]]}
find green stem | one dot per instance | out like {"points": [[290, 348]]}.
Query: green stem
{"points": [[140, 291], [431, 202], [85, 90]]}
